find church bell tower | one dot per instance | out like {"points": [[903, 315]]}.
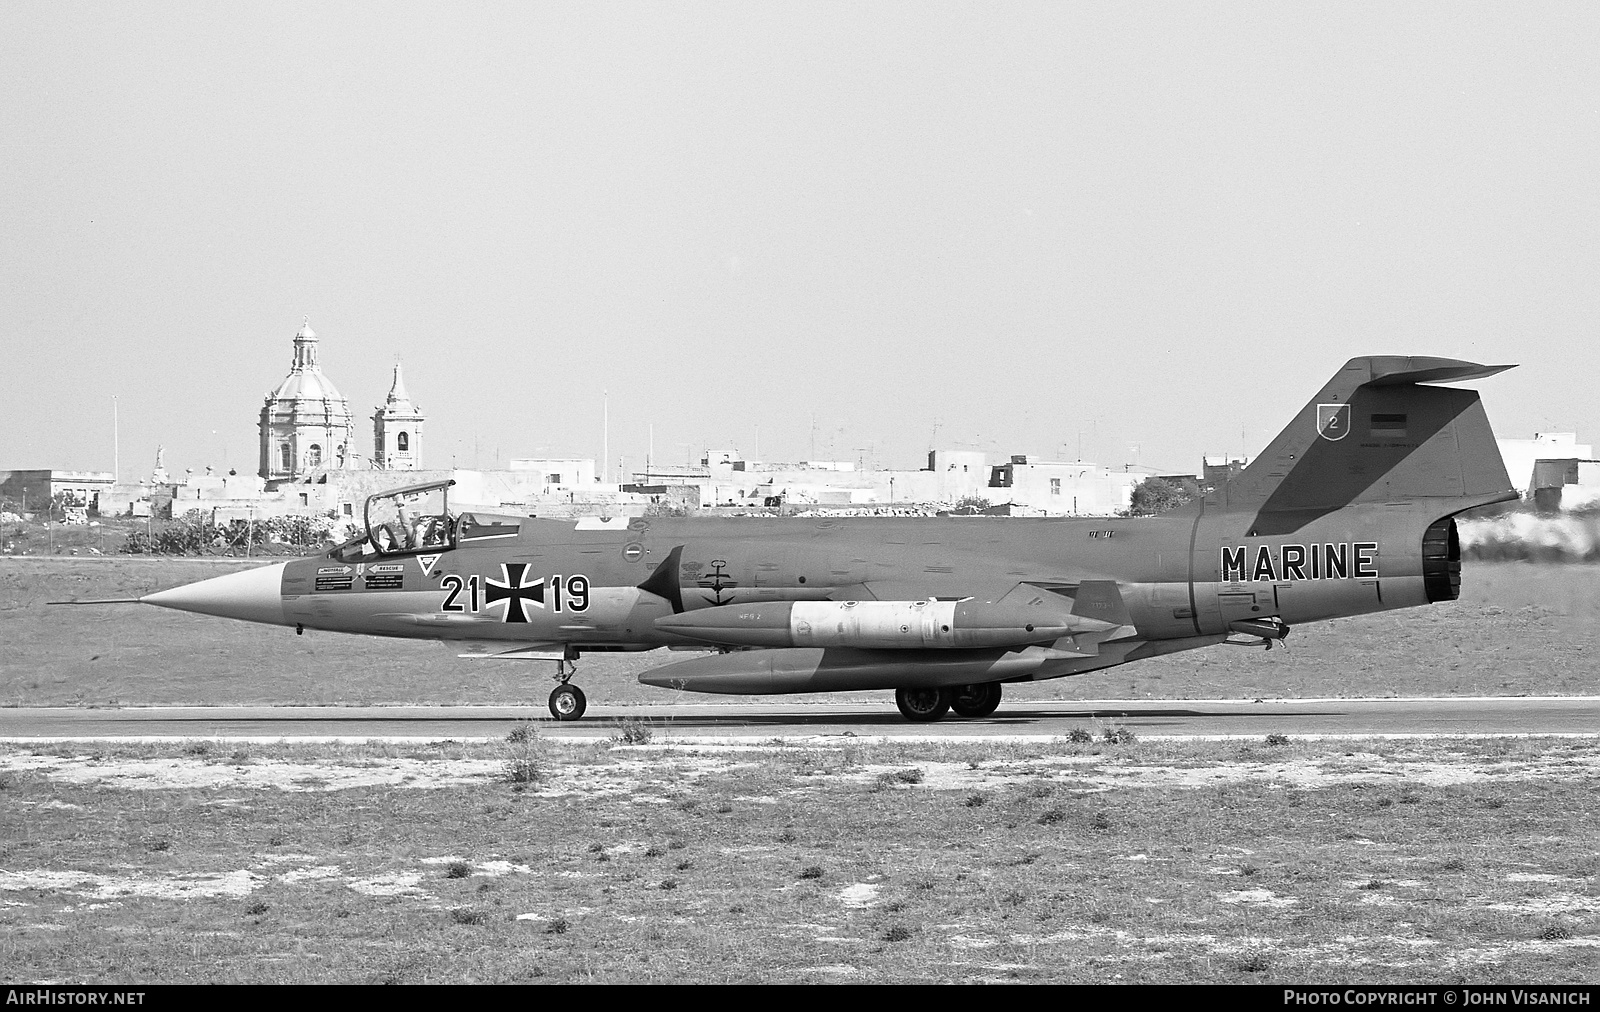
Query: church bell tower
{"points": [[397, 430]]}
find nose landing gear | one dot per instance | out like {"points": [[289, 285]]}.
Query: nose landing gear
{"points": [[566, 700]]}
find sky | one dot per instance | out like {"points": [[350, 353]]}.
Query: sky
{"points": [[1125, 233]]}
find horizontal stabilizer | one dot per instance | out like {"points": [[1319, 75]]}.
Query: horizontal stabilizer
{"points": [[1393, 370]]}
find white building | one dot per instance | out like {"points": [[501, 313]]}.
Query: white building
{"points": [[557, 472], [33, 489], [1065, 488], [1553, 470], [1029, 484], [1521, 454]]}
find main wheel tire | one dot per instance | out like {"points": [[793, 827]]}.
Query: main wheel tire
{"points": [[975, 700], [567, 702], [922, 705]]}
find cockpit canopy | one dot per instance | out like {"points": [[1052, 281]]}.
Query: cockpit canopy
{"points": [[414, 519], [404, 520]]}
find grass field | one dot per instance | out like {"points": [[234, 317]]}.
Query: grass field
{"points": [[1157, 862], [1519, 628]]}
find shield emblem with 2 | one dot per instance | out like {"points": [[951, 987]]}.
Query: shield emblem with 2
{"points": [[1333, 421]]}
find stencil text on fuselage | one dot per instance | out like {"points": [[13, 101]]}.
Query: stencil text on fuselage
{"points": [[1343, 561]]}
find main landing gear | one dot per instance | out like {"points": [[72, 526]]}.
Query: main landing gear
{"points": [[566, 700], [924, 705], [975, 700]]}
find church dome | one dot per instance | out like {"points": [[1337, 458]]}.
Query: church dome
{"points": [[305, 381], [306, 385], [306, 422]]}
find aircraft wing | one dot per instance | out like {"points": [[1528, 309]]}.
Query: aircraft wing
{"points": [[511, 651]]}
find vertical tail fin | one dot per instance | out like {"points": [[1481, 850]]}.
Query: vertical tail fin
{"points": [[1375, 433]]}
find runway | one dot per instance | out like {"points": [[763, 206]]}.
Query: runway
{"points": [[754, 721]]}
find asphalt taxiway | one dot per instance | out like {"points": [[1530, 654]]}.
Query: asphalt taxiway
{"points": [[735, 721]]}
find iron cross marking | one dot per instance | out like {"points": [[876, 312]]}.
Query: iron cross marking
{"points": [[515, 591]]}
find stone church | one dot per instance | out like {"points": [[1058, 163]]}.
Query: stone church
{"points": [[306, 423]]}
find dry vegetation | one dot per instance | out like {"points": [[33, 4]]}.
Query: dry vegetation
{"points": [[1519, 629], [527, 859]]}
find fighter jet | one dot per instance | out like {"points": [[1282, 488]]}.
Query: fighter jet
{"points": [[1349, 510]]}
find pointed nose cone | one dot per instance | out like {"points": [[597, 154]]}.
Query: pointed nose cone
{"points": [[255, 595]]}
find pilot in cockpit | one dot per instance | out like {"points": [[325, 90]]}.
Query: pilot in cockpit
{"points": [[432, 532], [417, 531], [405, 532]]}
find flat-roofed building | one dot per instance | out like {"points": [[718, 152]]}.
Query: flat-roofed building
{"points": [[39, 486]]}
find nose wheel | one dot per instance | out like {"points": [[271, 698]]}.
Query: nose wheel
{"points": [[567, 702], [566, 699]]}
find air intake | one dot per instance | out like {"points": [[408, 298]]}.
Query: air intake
{"points": [[1441, 561]]}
